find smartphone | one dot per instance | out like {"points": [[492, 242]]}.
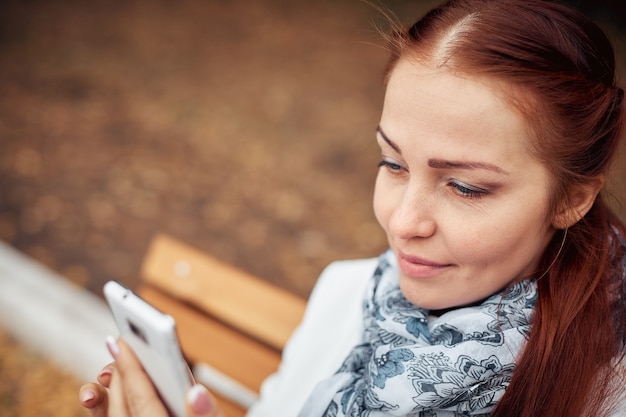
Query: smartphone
{"points": [[152, 336]]}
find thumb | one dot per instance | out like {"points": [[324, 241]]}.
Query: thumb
{"points": [[200, 403]]}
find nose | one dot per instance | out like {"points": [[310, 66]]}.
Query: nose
{"points": [[413, 216]]}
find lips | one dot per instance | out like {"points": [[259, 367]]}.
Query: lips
{"points": [[419, 267]]}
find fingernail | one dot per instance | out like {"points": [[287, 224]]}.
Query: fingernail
{"points": [[86, 396], [106, 371], [199, 400], [113, 347]]}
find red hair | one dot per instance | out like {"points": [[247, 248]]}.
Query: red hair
{"points": [[558, 70]]}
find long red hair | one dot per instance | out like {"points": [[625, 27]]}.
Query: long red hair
{"points": [[559, 70]]}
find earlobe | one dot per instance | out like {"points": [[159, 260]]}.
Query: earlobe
{"points": [[578, 203]]}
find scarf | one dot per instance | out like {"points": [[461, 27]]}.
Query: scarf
{"points": [[413, 364]]}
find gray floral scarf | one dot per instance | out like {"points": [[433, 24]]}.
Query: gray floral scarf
{"points": [[413, 364]]}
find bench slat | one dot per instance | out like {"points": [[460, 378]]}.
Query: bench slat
{"points": [[233, 322], [245, 302], [208, 341], [229, 409]]}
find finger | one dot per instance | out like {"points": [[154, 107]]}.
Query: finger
{"points": [[200, 403], [104, 377], [141, 398], [92, 394], [117, 398], [94, 397]]}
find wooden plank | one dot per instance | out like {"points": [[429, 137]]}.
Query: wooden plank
{"points": [[204, 340], [229, 408], [247, 303]]}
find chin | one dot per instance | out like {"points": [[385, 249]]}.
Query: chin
{"points": [[429, 304], [418, 299], [426, 298]]}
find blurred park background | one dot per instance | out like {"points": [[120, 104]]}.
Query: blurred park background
{"points": [[244, 128]]}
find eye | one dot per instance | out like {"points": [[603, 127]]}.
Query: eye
{"points": [[467, 191], [391, 166]]}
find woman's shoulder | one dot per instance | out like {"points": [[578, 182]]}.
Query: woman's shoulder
{"points": [[338, 294], [331, 326], [344, 275], [351, 268]]}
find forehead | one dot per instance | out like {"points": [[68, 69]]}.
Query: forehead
{"points": [[454, 111]]}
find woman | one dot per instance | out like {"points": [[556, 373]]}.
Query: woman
{"points": [[503, 289]]}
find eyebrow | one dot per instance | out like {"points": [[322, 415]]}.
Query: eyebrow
{"points": [[445, 164], [389, 141], [440, 163]]}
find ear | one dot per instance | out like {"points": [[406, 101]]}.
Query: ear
{"points": [[579, 202]]}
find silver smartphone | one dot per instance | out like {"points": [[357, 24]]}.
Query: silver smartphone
{"points": [[152, 336]]}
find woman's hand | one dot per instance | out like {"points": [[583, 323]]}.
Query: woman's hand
{"points": [[125, 390]]}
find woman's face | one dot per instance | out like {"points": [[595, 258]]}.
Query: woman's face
{"points": [[462, 201]]}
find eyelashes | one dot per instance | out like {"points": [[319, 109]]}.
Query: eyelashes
{"points": [[389, 165], [468, 191]]}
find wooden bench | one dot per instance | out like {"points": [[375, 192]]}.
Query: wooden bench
{"points": [[232, 325]]}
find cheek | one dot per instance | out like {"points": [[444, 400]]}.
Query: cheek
{"points": [[387, 197], [383, 202], [498, 244]]}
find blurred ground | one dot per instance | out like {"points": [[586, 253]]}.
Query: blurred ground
{"points": [[31, 386], [243, 128]]}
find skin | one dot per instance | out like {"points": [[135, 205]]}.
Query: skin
{"points": [[462, 201]]}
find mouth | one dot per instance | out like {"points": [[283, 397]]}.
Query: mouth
{"points": [[417, 267]]}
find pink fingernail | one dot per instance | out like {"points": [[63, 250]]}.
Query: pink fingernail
{"points": [[87, 396], [113, 347], [105, 372], [198, 398]]}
